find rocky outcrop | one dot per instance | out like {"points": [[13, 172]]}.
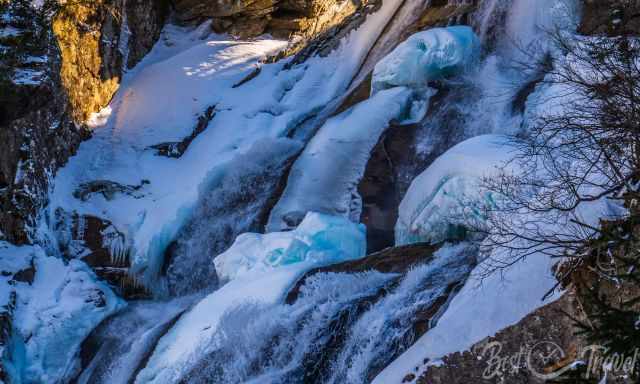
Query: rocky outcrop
{"points": [[442, 13], [520, 344], [98, 40], [303, 19], [108, 189], [74, 69], [176, 149], [391, 260]]}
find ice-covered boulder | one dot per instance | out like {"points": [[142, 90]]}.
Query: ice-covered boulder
{"points": [[319, 239], [447, 198], [55, 305], [425, 56]]}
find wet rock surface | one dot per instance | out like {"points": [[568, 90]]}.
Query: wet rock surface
{"points": [[401, 154], [381, 188]]}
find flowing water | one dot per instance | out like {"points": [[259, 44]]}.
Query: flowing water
{"points": [[343, 328], [117, 349]]}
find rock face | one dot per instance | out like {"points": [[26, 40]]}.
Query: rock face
{"points": [[97, 41], [247, 18], [546, 327], [610, 17], [34, 145], [74, 69]]}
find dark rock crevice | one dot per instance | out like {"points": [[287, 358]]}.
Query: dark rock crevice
{"points": [[177, 148]]}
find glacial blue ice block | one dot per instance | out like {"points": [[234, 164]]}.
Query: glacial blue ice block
{"points": [[320, 239], [425, 56]]}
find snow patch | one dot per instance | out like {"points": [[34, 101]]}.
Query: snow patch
{"points": [[159, 101]]}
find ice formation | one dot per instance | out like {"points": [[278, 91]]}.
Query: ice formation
{"points": [[449, 196], [53, 313], [326, 176], [426, 56], [319, 239]]}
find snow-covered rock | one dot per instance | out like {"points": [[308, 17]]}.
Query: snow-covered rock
{"points": [[449, 196], [426, 56], [57, 305], [318, 239]]}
